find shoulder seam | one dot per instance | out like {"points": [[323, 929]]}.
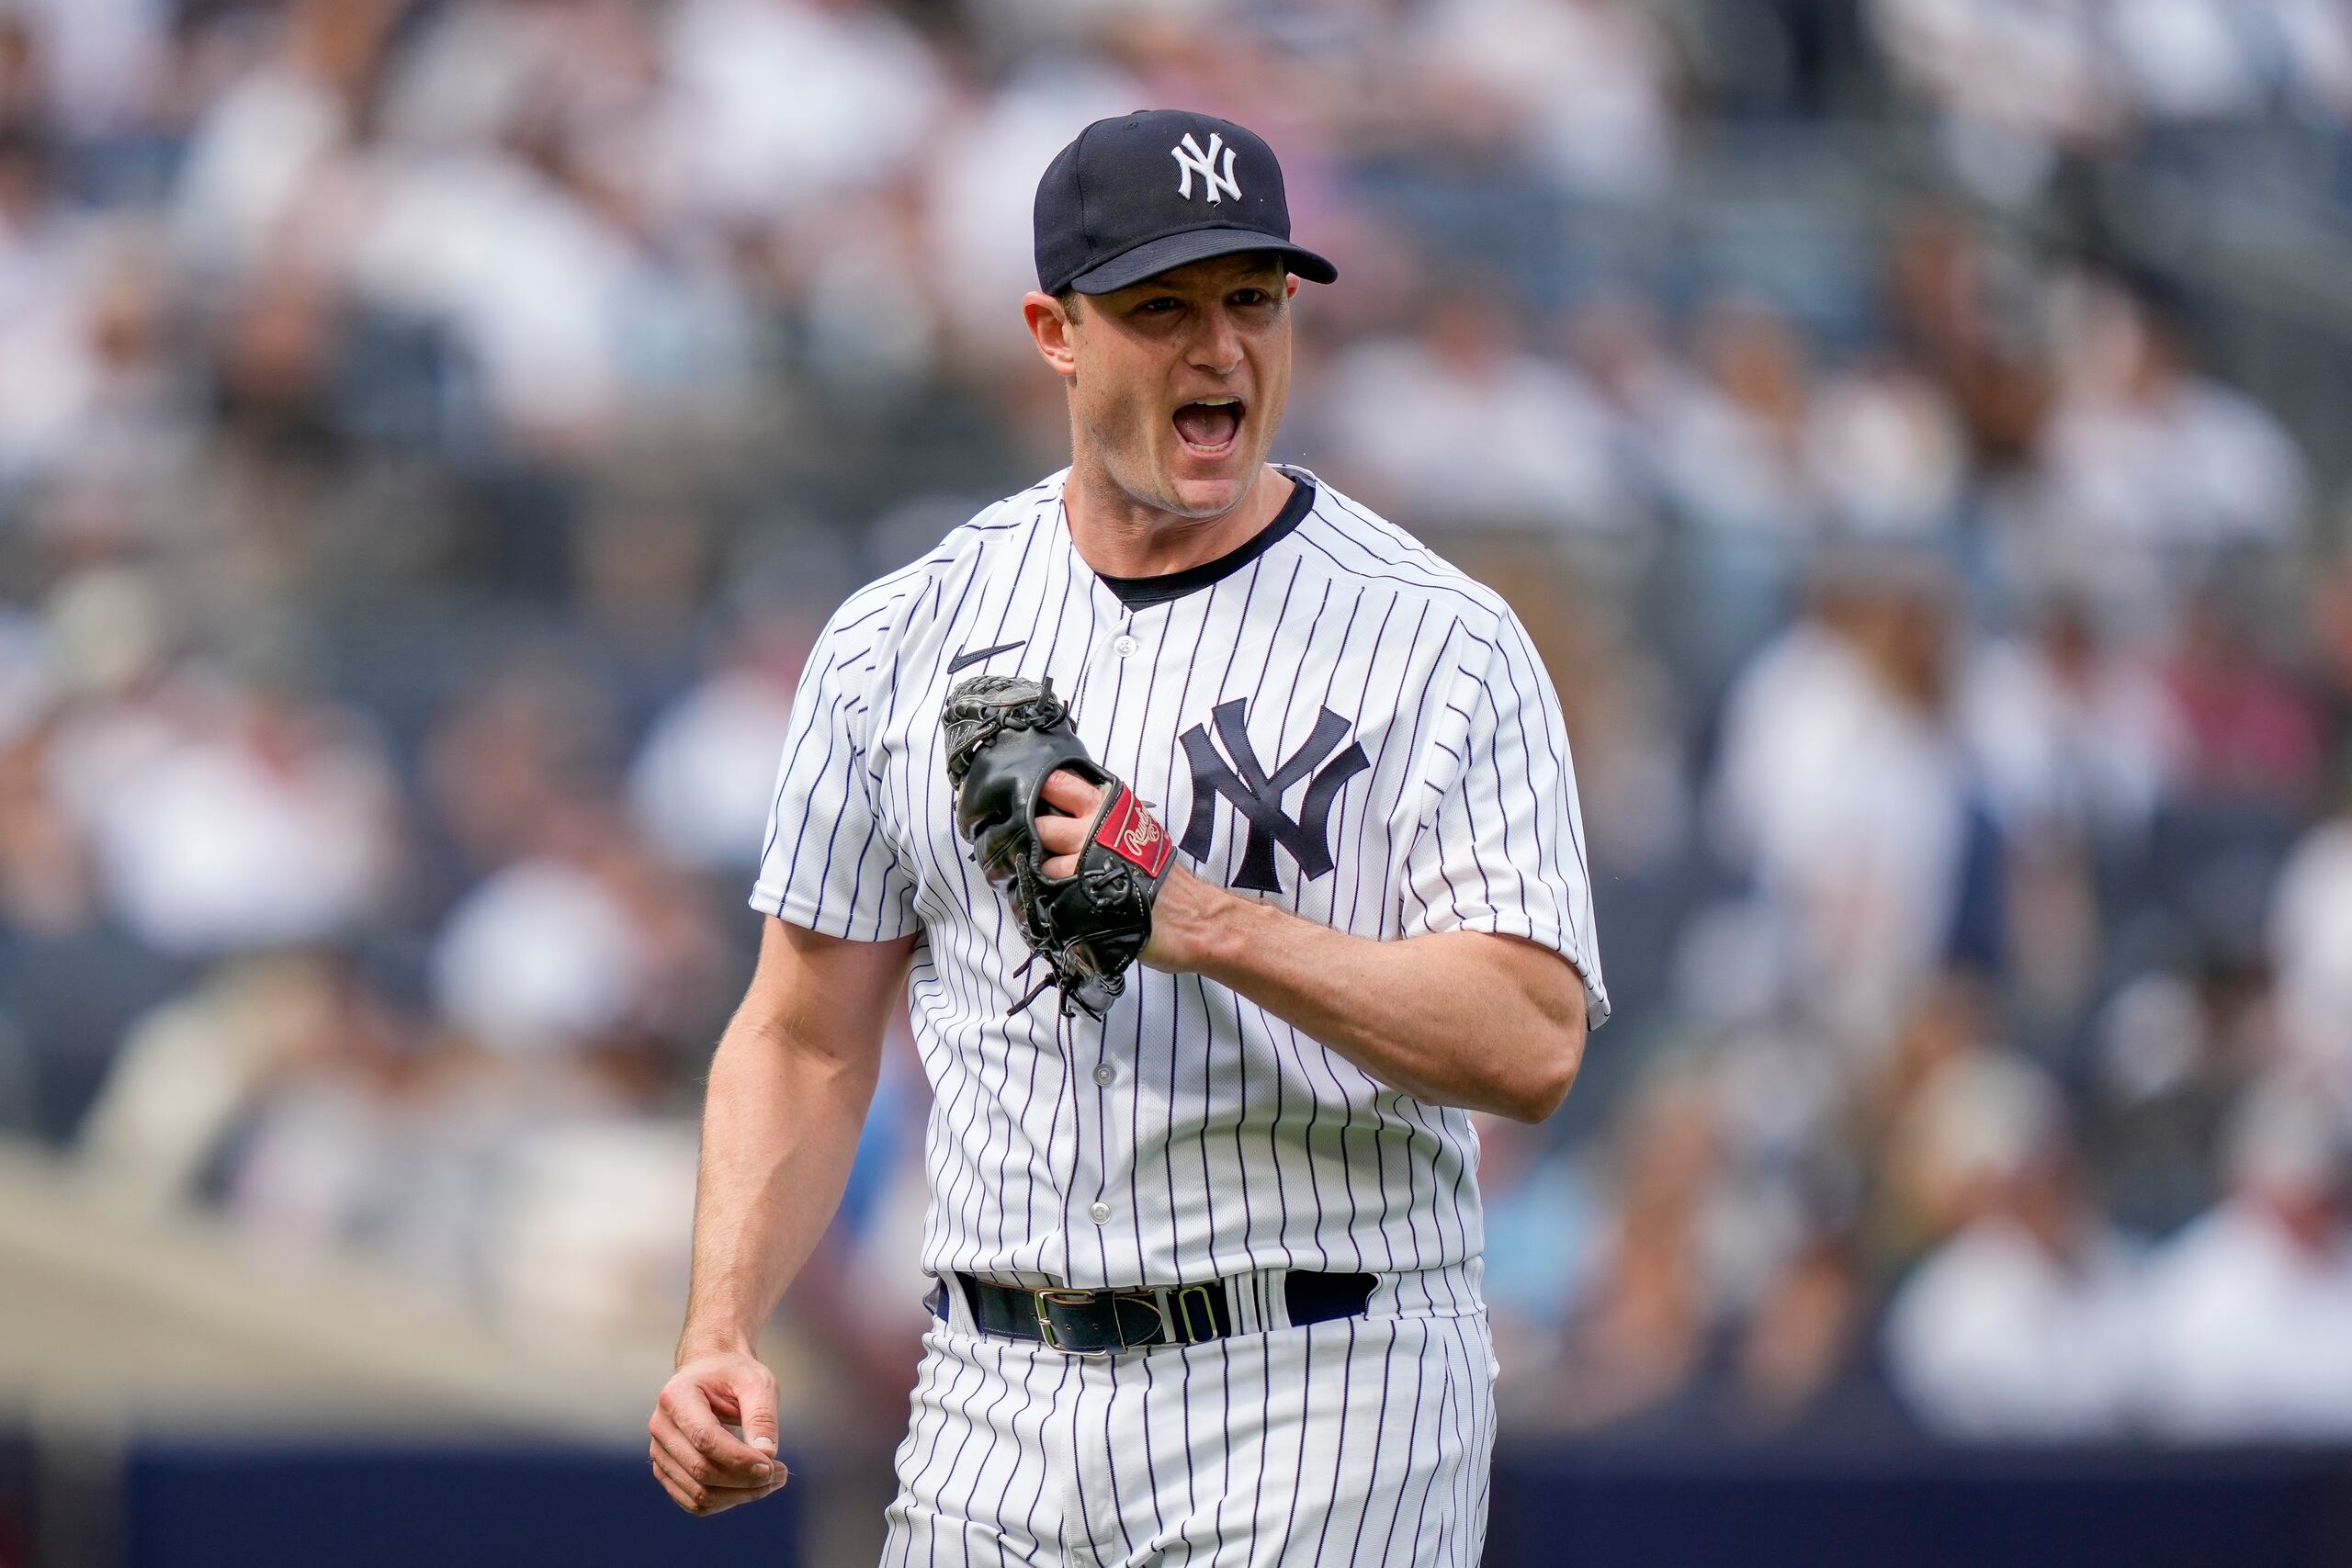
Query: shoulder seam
{"points": [[1443, 578]]}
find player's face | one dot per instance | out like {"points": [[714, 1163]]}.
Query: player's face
{"points": [[1178, 383]]}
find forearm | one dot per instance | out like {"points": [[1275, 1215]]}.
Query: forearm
{"points": [[780, 1127], [1456, 1018]]}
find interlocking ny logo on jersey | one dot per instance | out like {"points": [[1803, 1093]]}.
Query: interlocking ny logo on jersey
{"points": [[1191, 160], [1259, 797]]}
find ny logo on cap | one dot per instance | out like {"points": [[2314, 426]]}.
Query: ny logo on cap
{"points": [[1190, 159]]}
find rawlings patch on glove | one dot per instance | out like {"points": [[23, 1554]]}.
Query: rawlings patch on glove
{"points": [[1005, 736]]}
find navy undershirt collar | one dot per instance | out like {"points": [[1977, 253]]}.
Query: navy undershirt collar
{"points": [[1138, 592]]}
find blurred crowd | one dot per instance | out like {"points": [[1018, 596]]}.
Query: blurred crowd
{"points": [[432, 429]]}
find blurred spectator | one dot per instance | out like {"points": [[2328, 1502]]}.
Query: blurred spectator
{"points": [[222, 815], [778, 107], [1803, 1365], [265, 824], [1643, 1327], [2019, 82], [539, 958], [2020, 1327], [588, 937], [1581, 89], [2311, 944], [1733, 439], [2204, 62], [514, 748], [2245, 1309], [1945, 1091], [2252, 734], [1970, 304], [2148, 464], [192, 1071], [1463, 426], [2077, 745], [2073, 730], [1884, 451], [1542, 1230], [540, 310], [267, 146], [2172, 1056], [81, 365], [102, 61], [701, 784], [979, 222], [1838, 785]]}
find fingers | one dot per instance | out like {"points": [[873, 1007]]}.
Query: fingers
{"points": [[1065, 791], [683, 1491], [1064, 837], [755, 1414], [687, 1462], [685, 1428], [700, 1497]]}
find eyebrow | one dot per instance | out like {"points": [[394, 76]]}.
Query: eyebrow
{"points": [[1257, 277]]}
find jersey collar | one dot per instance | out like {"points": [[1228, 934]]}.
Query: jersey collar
{"points": [[1140, 592]]}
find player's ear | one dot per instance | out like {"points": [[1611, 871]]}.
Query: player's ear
{"points": [[1290, 285], [1051, 328]]}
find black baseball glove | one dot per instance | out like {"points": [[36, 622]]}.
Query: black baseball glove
{"points": [[1005, 736]]}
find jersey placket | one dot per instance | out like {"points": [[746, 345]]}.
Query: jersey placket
{"points": [[1088, 1203], [1119, 671], [1124, 711]]}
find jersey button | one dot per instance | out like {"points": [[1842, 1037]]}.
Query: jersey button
{"points": [[1100, 1212], [1126, 647], [1102, 1073]]}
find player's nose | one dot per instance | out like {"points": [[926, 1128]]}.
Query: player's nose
{"points": [[1216, 347]]}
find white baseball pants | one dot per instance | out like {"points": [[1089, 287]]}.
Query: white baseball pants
{"points": [[1363, 1442]]}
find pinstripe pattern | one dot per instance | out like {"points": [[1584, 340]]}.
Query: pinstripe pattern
{"points": [[1190, 1134], [1224, 1140], [1359, 1443]]}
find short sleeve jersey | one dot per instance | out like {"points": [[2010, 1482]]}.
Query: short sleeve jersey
{"points": [[1332, 720]]}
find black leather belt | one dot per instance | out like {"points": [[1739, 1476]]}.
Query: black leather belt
{"points": [[1104, 1323]]}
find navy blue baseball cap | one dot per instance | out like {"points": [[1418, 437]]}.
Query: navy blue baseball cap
{"points": [[1136, 195]]}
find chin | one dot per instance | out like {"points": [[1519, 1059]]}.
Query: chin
{"points": [[1207, 498], [1206, 495]]}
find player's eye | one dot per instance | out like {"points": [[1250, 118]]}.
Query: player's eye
{"points": [[1159, 306], [1249, 296]]}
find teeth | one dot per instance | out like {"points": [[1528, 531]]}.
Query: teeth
{"points": [[1215, 402]]}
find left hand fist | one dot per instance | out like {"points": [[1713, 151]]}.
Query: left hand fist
{"points": [[1186, 904]]}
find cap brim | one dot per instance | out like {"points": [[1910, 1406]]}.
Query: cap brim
{"points": [[1156, 256]]}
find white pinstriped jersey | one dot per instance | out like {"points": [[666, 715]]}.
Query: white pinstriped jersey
{"points": [[1330, 718]]}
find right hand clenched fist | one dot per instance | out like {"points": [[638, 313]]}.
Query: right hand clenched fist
{"points": [[705, 1468]]}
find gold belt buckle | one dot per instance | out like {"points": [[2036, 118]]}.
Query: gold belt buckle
{"points": [[1174, 1305], [1068, 1297]]}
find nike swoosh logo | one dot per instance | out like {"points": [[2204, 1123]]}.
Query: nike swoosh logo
{"points": [[977, 654]]}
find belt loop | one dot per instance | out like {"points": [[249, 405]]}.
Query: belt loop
{"points": [[1257, 1300], [1273, 1290], [963, 1315]]}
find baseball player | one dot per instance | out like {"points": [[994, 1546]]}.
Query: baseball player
{"points": [[1224, 842]]}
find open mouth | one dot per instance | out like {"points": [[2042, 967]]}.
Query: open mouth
{"points": [[1209, 427]]}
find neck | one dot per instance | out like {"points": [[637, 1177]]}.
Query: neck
{"points": [[1118, 535]]}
